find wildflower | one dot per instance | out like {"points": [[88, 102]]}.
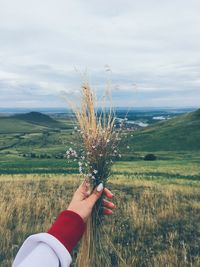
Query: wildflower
{"points": [[98, 134]]}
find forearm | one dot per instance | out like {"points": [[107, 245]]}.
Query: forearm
{"points": [[52, 248]]}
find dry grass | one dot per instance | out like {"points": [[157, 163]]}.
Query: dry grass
{"points": [[154, 225], [98, 135], [99, 138]]}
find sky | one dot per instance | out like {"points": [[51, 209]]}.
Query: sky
{"points": [[147, 50]]}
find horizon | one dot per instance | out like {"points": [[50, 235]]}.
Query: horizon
{"points": [[64, 109]]}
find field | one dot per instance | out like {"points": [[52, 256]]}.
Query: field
{"points": [[157, 222]]}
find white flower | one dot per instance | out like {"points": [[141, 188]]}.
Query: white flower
{"points": [[107, 140], [128, 147], [80, 163], [93, 177], [95, 171]]}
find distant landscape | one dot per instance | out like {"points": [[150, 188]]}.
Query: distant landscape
{"points": [[156, 183], [30, 141]]}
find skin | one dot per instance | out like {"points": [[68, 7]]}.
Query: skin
{"points": [[83, 202]]}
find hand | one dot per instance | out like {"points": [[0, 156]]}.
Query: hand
{"points": [[82, 202]]}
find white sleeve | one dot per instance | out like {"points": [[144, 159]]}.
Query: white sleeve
{"points": [[42, 250]]}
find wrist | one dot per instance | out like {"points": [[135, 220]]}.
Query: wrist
{"points": [[68, 229]]}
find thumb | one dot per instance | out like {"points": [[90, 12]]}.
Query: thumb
{"points": [[92, 199], [83, 191]]}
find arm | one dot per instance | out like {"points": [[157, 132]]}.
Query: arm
{"points": [[53, 249]]}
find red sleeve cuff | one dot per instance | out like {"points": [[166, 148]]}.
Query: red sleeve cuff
{"points": [[68, 229]]}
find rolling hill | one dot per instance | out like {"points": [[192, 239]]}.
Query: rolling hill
{"points": [[178, 134], [29, 122], [39, 119]]}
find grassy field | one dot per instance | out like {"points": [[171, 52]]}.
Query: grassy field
{"points": [[157, 222]]}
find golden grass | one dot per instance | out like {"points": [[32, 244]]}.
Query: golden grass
{"points": [[154, 225], [97, 134], [99, 139]]}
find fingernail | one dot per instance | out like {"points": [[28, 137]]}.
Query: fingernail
{"points": [[100, 187]]}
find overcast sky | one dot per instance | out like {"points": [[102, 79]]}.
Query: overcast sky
{"points": [[150, 49]]}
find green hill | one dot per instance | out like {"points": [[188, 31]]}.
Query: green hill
{"points": [[28, 123], [181, 133], [39, 119], [13, 125]]}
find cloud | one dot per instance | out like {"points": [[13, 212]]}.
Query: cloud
{"points": [[152, 48]]}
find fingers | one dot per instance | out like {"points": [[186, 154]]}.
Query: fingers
{"points": [[107, 211], [108, 193], [83, 186], [108, 204], [95, 195]]}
